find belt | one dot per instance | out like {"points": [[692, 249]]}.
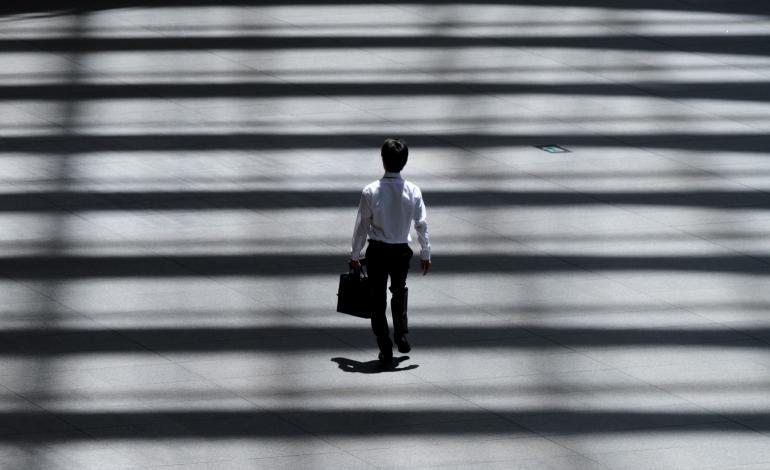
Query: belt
{"points": [[378, 242]]}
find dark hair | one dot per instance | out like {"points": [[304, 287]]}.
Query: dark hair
{"points": [[394, 154]]}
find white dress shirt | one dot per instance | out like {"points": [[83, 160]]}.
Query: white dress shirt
{"points": [[387, 209]]}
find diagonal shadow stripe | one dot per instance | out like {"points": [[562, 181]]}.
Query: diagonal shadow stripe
{"points": [[57, 342], [59, 201], [733, 91], [160, 424], [81, 6], [80, 143], [151, 266], [753, 44]]}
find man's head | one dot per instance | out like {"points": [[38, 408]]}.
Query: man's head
{"points": [[394, 154]]}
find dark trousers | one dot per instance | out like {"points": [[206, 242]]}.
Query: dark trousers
{"points": [[385, 260]]}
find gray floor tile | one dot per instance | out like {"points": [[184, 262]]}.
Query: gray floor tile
{"points": [[310, 461], [688, 457], [460, 451]]}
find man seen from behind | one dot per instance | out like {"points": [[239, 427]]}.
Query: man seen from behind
{"points": [[388, 208]]}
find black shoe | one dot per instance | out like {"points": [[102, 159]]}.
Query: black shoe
{"points": [[385, 359], [403, 345]]}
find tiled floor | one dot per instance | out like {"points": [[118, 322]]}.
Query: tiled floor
{"points": [[178, 184]]}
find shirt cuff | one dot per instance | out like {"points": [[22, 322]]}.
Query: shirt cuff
{"points": [[425, 254]]}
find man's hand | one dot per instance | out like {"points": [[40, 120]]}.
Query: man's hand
{"points": [[425, 266], [354, 264]]}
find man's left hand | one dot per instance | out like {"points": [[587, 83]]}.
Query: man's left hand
{"points": [[425, 265]]}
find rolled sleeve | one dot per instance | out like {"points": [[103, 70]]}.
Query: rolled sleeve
{"points": [[361, 229], [420, 217]]}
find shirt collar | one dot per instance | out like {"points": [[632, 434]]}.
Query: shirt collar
{"points": [[392, 175]]}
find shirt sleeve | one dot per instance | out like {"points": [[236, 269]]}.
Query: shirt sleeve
{"points": [[361, 229], [420, 217]]}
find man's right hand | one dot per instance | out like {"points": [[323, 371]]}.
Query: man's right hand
{"points": [[354, 264], [425, 266]]}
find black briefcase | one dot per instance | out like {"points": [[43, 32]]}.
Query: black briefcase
{"points": [[354, 296]]}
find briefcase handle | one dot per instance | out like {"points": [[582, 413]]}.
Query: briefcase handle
{"points": [[360, 271]]}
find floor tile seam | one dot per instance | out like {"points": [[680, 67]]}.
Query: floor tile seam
{"points": [[255, 460], [407, 387], [466, 85], [412, 10], [326, 389], [700, 327], [691, 403], [476, 440], [511, 461], [303, 327], [727, 325], [609, 278], [221, 282], [750, 130], [498, 413], [586, 352], [527, 432], [578, 192], [73, 369], [512, 238], [693, 429], [693, 448], [52, 300], [323, 331], [717, 347], [236, 7], [742, 219], [754, 21], [143, 27], [513, 323], [673, 48], [84, 433], [601, 274], [586, 453], [422, 445], [131, 456], [663, 427], [48, 299], [719, 413], [302, 431], [444, 139], [664, 140], [341, 99], [539, 335], [731, 179], [419, 68], [144, 90], [299, 85], [714, 172], [148, 349], [679, 101], [581, 388], [73, 63], [44, 411], [612, 327], [534, 51], [746, 331], [48, 452], [234, 61]]}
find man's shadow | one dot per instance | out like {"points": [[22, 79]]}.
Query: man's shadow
{"points": [[372, 367]]}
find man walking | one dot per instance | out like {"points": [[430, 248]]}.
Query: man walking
{"points": [[386, 212]]}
